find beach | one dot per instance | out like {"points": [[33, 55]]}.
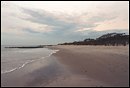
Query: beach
{"points": [[72, 65], [108, 65], [65, 44]]}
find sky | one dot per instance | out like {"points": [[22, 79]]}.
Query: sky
{"points": [[53, 22]]}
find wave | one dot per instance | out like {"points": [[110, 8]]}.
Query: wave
{"points": [[2, 72], [53, 52], [29, 61]]}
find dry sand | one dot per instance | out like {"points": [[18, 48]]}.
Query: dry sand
{"points": [[102, 65]]}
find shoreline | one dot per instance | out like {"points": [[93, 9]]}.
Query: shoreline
{"points": [[27, 62], [38, 69], [36, 74], [71, 67]]}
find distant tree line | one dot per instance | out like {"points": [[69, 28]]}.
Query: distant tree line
{"points": [[110, 39]]}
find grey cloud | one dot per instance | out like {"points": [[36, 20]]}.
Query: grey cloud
{"points": [[63, 30], [95, 34], [98, 19], [29, 30], [60, 28], [101, 18], [43, 17]]}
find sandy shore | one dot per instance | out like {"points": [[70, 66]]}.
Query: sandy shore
{"points": [[75, 66], [36, 74], [103, 65]]}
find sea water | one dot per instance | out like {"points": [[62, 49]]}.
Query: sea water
{"points": [[16, 58]]}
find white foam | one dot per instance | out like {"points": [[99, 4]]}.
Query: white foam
{"points": [[2, 72], [53, 52]]}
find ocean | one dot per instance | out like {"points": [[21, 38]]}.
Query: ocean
{"points": [[16, 58]]}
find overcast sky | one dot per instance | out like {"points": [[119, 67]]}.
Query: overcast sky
{"points": [[52, 22]]}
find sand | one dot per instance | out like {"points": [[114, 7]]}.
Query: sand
{"points": [[87, 66], [108, 65]]}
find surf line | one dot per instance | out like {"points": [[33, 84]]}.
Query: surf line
{"points": [[8, 71]]}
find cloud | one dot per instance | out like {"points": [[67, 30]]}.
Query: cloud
{"points": [[43, 17], [62, 25], [58, 26], [83, 29], [30, 30], [51, 27], [13, 23], [65, 23]]}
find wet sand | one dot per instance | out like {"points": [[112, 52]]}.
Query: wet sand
{"points": [[38, 73], [90, 66]]}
